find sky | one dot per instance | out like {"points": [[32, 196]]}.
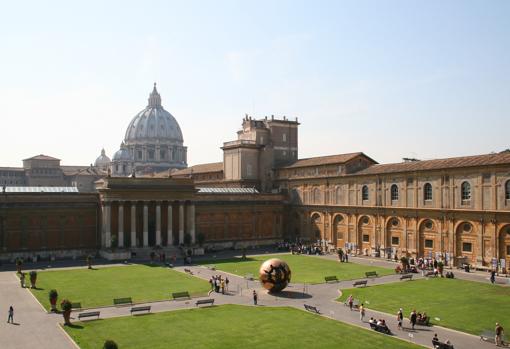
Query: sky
{"points": [[393, 79]]}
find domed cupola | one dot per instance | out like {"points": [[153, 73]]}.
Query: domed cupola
{"points": [[122, 162], [154, 138], [122, 153], [102, 161]]}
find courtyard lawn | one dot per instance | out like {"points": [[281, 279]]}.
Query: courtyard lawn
{"points": [[98, 287], [462, 305], [230, 326], [305, 269]]}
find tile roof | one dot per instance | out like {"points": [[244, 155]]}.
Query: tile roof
{"points": [[41, 189], [19, 169], [439, 164], [42, 157], [326, 160], [226, 190], [201, 168]]}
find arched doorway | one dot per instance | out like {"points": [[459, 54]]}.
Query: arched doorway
{"points": [[317, 227], [340, 231], [465, 243], [365, 229], [429, 239], [395, 238], [504, 245]]}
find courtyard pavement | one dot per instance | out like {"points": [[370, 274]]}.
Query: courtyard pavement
{"points": [[36, 328]]}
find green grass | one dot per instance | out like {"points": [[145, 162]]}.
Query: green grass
{"points": [[230, 326], [98, 287], [305, 269], [462, 305]]}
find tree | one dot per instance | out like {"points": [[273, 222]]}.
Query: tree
{"points": [[109, 344]]}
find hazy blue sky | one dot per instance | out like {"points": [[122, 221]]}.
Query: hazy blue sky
{"points": [[425, 79]]}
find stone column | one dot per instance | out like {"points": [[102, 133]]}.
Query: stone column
{"points": [[133, 223], [158, 223], [169, 233], [181, 223], [120, 240], [108, 226], [191, 220], [145, 224]]}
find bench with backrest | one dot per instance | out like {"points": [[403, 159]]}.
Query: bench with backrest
{"points": [[422, 322], [181, 295], [406, 277], [331, 278], [490, 336], [360, 283], [379, 328], [146, 308], [88, 314], [441, 345], [311, 308], [355, 303], [122, 301], [209, 301], [430, 273], [371, 274], [76, 305]]}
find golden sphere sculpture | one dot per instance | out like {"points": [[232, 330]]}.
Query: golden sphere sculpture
{"points": [[274, 274]]}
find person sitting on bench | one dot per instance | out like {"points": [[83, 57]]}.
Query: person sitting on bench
{"points": [[371, 321]]}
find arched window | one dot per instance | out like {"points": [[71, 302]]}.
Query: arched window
{"points": [[316, 196], [465, 191], [507, 190], [338, 195], [427, 192], [364, 193], [394, 192]]}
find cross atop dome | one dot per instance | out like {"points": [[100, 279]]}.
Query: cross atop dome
{"points": [[154, 98]]}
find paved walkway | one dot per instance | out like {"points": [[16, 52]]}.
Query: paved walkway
{"points": [[35, 329]]}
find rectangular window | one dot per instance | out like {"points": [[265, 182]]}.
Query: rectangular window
{"points": [[284, 153], [139, 154], [467, 247], [162, 154], [508, 250], [248, 169], [429, 243], [151, 154], [395, 240], [284, 137], [366, 238]]}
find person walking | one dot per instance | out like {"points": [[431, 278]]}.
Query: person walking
{"points": [[493, 277], [226, 283], [361, 312], [10, 318], [499, 334], [412, 318], [350, 300], [400, 317], [255, 297], [222, 285]]}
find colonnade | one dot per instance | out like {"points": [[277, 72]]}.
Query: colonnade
{"points": [[106, 240]]}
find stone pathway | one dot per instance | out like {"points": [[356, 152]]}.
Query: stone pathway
{"points": [[35, 329]]}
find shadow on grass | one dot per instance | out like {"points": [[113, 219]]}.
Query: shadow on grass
{"points": [[143, 314], [78, 327]]}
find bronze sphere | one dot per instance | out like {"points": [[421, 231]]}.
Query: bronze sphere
{"points": [[274, 274]]}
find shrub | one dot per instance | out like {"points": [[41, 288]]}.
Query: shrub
{"points": [[109, 344], [53, 294], [33, 274]]}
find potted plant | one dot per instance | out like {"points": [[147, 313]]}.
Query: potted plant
{"points": [[33, 278], [340, 254], [440, 267], [89, 261], [53, 295], [405, 263], [19, 263], [109, 344], [66, 311]]}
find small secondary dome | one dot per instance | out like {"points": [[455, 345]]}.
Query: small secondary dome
{"points": [[122, 153], [102, 160]]}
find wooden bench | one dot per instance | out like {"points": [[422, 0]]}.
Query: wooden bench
{"points": [[88, 314], [186, 270], [430, 273], [371, 274], [441, 345], [406, 277], [355, 303], [360, 283], [122, 301], [146, 308], [379, 328], [181, 295], [76, 305], [311, 309], [423, 323], [331, 278], [489, 336], [209, 301]]}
